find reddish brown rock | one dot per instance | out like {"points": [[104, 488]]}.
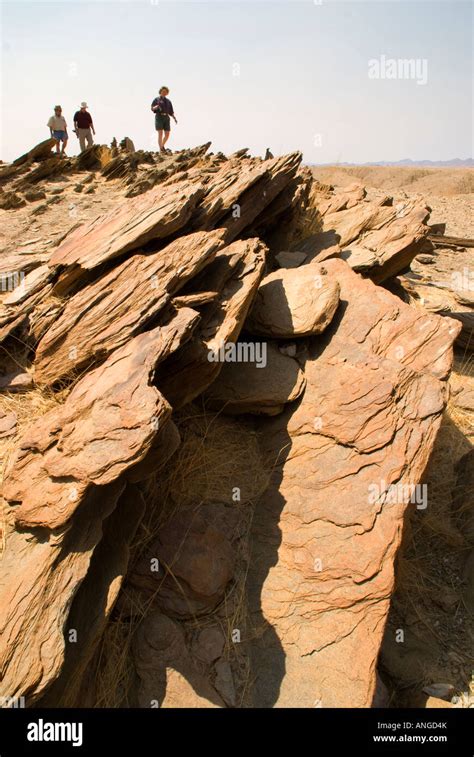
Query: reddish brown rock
{"points": [[16, 382], [443, 283], [343, 199], [262, 387], [95, 598], [41, 573], [107, 425], [197, 562], [239, 192], [38, 152], [384, 252], [166, 671], [327, 531], [296, 302], [235, 274]]}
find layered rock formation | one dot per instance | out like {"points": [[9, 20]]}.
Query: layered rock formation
{"points": [[244, 287]]}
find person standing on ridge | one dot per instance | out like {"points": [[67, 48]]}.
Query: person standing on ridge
{"points": [[84, 127], [163, 110], [58, 128]]}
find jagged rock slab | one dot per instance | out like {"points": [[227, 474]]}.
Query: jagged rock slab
{"points": [[107, 425], [169, 168], [343, 199], [227, 185], [294, 302], [443, 283], [378, 240], [327, 531], [351, 223], [39, 152], [11, 201], [8, 423], [35, 280], [105, 314], [435, 299], [13, 318], [40, 575], [53, 166], [94, 158], [95, 598], [156, 215], [239, 192], [260, 388], [385, 252], [252, 202], [235, 274]]}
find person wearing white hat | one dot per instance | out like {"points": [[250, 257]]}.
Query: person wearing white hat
{"points": [[84, 127]]}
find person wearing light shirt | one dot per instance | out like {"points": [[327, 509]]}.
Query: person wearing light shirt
{"points": [[58, 128]]}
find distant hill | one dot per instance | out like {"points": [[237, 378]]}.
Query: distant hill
{"points": [[454, 163]]}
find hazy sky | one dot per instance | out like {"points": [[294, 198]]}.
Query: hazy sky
{"points": [[289, 75]]}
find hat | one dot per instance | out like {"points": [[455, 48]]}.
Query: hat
{"points": [[84, 105]]}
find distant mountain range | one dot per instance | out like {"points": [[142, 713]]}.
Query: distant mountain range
{"points": [[454, 163]]}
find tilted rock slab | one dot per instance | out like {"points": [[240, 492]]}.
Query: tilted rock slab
{"points": [[241, 191], [106, 425], [251, 203], [95, 598], [294, 302], [39, 152], [40, 575], [387, 251], [155, 215], [379, 241], [444, 285], [327, 531], [102, 316]]}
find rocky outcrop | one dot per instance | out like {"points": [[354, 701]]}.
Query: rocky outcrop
{"points": [[244, 287], [39, 152]]}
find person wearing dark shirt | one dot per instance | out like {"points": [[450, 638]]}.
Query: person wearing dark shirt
{"points": [[163, 110], [84, 127]]}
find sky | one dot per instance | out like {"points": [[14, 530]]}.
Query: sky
{"points": [[321, 76]]}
